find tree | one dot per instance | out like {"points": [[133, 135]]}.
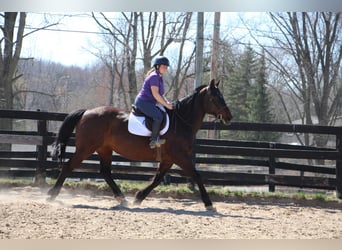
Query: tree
{"points": [[10, 48], [142, 36], [239, 90], [11, 41], [260, 104], [162, 29], [247, 93], [183, 64], [126, 34], [311, 48]]}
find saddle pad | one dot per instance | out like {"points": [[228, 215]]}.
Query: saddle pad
{"points": [[136, 125]]}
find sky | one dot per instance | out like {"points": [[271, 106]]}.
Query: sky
{"points": [[68, 43], [70, 48], [71, 41]]}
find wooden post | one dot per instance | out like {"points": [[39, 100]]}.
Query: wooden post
{"points": [[199, 51], [271, 170], [214, 61], [215, 48], [40, 177], [339, 166]]}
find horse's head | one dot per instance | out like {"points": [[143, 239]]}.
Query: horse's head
{"points": [[215, 103]]}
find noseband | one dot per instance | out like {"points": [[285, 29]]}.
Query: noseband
{"points": [[219, 116]]}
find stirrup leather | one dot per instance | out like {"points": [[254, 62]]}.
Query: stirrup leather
{"points": [[156, 143]]}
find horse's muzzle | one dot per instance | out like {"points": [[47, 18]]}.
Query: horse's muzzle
{"points": [[223, 120]]}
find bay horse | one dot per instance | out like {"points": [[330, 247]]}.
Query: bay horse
{"points": [[105, 129]]}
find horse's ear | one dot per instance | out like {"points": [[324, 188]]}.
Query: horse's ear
{"points": [[212, 83]]}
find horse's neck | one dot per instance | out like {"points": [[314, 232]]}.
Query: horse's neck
{"points": [[199, 114], [195, 114]]}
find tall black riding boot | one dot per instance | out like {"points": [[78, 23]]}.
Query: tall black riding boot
{"points": [[155, 140]]}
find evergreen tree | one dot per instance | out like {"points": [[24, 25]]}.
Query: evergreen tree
{"points": [[259, 102], [240, 91], [259, 105], [248, 98]]}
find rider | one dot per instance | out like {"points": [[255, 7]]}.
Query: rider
{"points": [[151, 93]]}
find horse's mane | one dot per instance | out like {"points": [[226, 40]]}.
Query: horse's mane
{"points": [[183, 111], [199, 88], [190, 97]]}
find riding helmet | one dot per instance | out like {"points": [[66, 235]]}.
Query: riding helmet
{"points": [[161, 60]]}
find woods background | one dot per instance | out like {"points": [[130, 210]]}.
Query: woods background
{"points": [[281, 67]]}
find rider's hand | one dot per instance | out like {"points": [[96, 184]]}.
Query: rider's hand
{"points": [[169, 106]]}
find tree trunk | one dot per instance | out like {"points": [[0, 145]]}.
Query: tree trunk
{"points": [[9, 58]]}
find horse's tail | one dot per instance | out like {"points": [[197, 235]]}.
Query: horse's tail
{"points": [[64, 134]]}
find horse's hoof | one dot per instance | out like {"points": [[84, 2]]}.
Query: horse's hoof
{"points": [[50, 199], [136, 202], [211, 208], [124, 203]]}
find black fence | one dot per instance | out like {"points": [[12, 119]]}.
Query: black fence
{"points": [[220, 162]]}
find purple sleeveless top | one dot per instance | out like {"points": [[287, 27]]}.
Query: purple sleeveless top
{"points": [[154, 79]]}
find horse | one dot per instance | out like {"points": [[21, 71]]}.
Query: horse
{"points": [[105, 129]]}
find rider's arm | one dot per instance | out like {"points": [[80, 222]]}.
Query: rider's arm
{"points": [[160, 99]]}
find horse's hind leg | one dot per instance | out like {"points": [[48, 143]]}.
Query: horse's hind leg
{"points": [[161, 171], [54, 191], [67, 168], [105, 169]]}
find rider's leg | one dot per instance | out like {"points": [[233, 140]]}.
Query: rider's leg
{"points": [[151, 110], [155, 140]]}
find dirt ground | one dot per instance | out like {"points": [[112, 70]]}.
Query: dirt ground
{"points": [[25, 214]]}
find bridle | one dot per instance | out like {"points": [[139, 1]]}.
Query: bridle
{"points": [[219, 116]]}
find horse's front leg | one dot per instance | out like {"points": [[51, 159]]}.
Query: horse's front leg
{"points": [[161, 171], [186, 162], [204, 195]]}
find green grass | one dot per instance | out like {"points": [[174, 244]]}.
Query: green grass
{"points": [[178, 191], [14, 182]]}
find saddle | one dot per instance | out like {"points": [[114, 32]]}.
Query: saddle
{"points": [[141, 124]]}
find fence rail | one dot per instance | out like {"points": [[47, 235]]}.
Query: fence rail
{"points": [[220, 162]]}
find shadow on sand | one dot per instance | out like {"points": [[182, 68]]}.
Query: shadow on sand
{"points": [[167, 210]]}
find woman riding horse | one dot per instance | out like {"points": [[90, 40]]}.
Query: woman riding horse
{"points": [[105, 129]]}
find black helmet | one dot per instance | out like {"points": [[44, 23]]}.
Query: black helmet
{"points": [[161, 60]]}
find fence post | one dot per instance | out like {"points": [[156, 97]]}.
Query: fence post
{"points": [[40, 177], [271, 169], [339, 166]]}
